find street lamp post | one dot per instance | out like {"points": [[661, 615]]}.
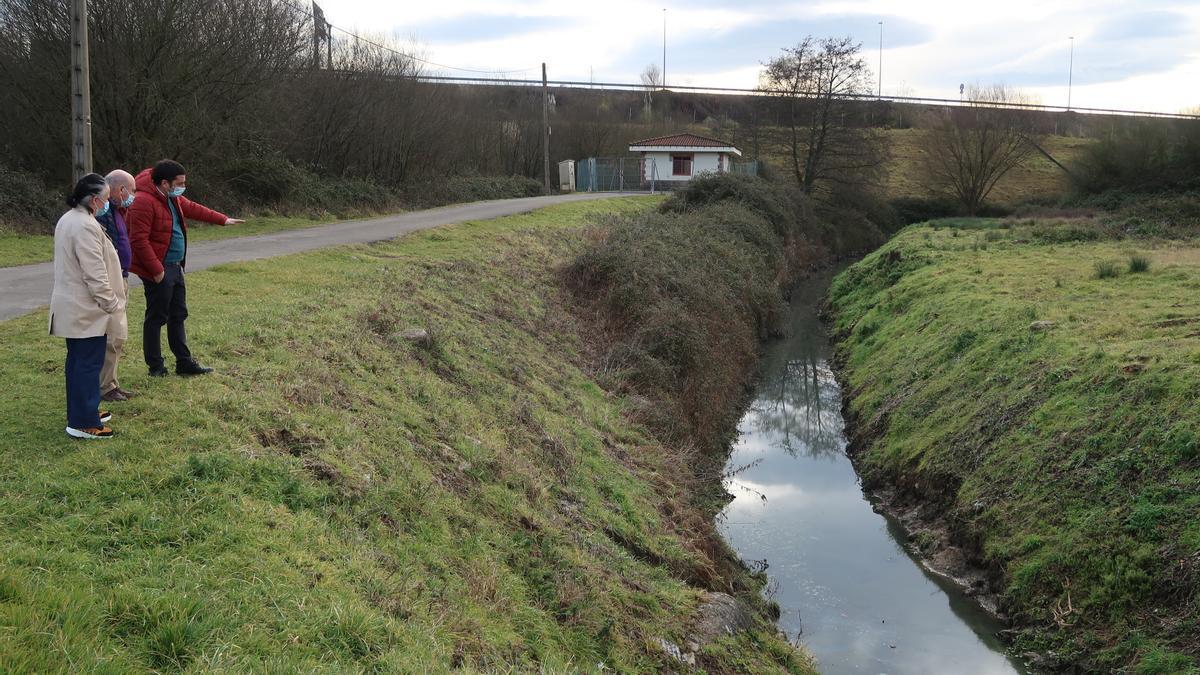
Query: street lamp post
{"points": [[1070, 72], [880, 93], [664, 68]]}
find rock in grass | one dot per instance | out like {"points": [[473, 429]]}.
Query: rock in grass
{"points": [[720, 615], [1039, 326], [417, 336]]}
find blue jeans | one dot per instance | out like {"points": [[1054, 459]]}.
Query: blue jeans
{"points": [[85, 358]]}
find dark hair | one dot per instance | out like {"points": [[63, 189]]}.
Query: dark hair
{"points": [[166, 169], [89, 186]]}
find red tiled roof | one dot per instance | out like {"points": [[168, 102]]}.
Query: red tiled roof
{"points": [[683, 140]]}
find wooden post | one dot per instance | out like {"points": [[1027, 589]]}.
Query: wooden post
{"points": [[545, 130], [81, 93]]}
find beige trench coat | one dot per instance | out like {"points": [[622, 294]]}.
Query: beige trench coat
{"points": [[89, 298]]}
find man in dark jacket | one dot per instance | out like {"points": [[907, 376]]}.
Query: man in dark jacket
{"points": [[120, 196], [158, 239]]}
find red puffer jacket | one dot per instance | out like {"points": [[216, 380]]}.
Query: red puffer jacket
{"points": [[149, 221]]}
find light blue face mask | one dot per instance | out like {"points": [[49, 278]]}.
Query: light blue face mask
{"points": [[104, 210], [127, 202], [177, 192]]}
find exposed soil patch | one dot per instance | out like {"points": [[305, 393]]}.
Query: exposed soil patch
{"points": [[285, 441], [932, 542]]}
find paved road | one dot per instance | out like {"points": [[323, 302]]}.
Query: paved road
{"points": [[28, 287]]}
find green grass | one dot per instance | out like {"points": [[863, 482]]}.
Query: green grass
{"points": [[1138, 263], [335, 499], [25, 249], [1037, 177], [1107, 269], [252, 226], [1051, 415]]}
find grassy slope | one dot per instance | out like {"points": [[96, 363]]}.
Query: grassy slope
{"points": [[1036, 178], [335, 499], [1068, 458], [23, 249]]}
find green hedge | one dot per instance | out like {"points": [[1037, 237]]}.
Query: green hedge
{"points": [[458, 189], [27, 205], [267, 185], [688, 297]]}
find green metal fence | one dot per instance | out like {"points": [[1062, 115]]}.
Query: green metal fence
{"points": [[608, 174]]}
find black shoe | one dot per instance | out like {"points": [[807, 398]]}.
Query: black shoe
{"points": [[191, 368], [158, 372]]}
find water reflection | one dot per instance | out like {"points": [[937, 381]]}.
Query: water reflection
{"points": [[841, 577], [798, 407]]}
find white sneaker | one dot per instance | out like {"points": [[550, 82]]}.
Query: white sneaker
{"points": [[90, 434]]}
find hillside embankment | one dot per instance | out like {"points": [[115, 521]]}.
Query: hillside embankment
{"points": [[346, 494], [1023, 392]]}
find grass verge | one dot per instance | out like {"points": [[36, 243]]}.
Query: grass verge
{"points": [[1049, 413], [337, 498], [26, 249]]}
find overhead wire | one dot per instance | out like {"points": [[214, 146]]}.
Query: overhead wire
{"points": [[912, 99]]}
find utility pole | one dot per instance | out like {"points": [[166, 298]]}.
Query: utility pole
{"points": [[664, 72], [81, 93], [1070, 72], [545, 131], [880, 94], [318, 34]]}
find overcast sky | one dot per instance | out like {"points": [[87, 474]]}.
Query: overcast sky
{"points": [[1132, 54]]}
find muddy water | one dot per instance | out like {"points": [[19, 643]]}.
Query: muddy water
{"points": [[847, 587]]}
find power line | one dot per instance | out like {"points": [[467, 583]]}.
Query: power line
{"points": [[717, 90]]}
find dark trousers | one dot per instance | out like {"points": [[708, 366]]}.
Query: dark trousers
{"points": [[166, 303], [85, 358]]}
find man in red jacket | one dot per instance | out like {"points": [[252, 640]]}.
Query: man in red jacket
{"points": [[158, 237]]}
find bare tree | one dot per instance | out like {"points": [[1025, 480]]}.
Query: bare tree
{"points": [[820, 80], [652, 80], [973, 147], [167, 78], [652, 76]]}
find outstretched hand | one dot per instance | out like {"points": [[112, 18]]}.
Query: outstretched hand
{"points": [[233, 221]]}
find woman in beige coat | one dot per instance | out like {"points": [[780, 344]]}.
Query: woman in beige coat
{"points": [[87, 304]]}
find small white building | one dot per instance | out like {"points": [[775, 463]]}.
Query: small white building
{"points": [[676, 158], [566, 175]]}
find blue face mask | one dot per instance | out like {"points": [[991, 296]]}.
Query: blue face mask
{"points": [[177, 192], [104, 210], [127, 202]]}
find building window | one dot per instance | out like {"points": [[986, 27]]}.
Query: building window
{"points": [[681, 165]]}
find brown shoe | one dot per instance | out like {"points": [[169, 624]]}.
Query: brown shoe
{"points": [[126, 393], [114, 395], [92, 433]]}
